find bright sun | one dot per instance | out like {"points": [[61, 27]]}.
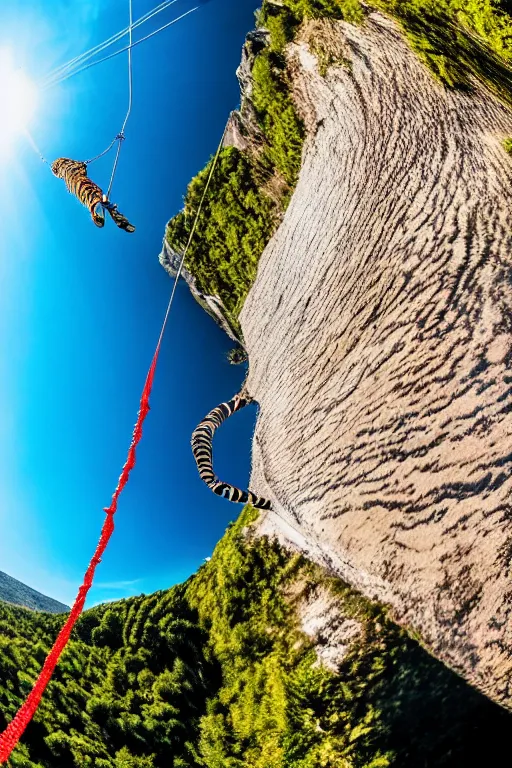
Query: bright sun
{"points": [[18, 99]]}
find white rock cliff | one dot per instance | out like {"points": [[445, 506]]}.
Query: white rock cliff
{"points": [[379, 334]]}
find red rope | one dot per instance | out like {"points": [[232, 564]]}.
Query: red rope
{"points": [[12, 734]]}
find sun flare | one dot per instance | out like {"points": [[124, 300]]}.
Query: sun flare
{"points": [[18, 100]]}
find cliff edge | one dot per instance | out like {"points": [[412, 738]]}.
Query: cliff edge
{"points": [[379, 338]]}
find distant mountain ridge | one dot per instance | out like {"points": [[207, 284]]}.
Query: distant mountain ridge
{"points": [[14, 591]]}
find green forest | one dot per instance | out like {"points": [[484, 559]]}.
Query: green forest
{"points": [[216, 672], [461, 41]]}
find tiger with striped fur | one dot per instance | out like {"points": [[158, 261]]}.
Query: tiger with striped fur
{"points": [[202, 439], [74, 174]]}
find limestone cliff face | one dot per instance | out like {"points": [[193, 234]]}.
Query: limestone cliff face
{"points": [[379, 334], [243, 133]]}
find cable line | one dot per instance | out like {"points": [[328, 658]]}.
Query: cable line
{"points": [[15, 729], [121, 50], [120, 137], [81, 58]]}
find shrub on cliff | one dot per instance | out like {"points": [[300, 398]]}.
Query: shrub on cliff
{"points": [[234, 226]]}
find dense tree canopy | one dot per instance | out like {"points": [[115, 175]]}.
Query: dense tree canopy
{"points": [[217, 673]]}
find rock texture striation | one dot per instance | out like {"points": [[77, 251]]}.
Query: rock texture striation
{"points": [[379, 332]]}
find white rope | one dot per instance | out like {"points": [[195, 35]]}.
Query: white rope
{"points": [[130, 72], [105, 151], [120, 136], [58, 73], [34, 146]]}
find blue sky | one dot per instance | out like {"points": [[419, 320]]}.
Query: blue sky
{"points": [[81, 308]]}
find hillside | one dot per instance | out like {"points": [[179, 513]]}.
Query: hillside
{"points": [[13, 591], [223, 671], [374, 302]]}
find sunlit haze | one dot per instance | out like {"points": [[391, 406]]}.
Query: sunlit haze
{"points": [[18, 99]]}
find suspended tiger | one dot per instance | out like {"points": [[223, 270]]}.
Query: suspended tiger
{"points": [[74, 173], [202, 438]]}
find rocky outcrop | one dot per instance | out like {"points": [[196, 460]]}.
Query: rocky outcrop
{"points": [[332, 633], [170, 260], [243, 130], [379, 335], [255, 42], [235, 134], [244, 133]]}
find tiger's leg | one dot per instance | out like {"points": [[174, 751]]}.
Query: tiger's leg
{"points": [[92, 197], [98, 214], [117, 217]]}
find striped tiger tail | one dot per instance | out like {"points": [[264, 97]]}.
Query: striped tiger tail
{"points": [[202, 440]]}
